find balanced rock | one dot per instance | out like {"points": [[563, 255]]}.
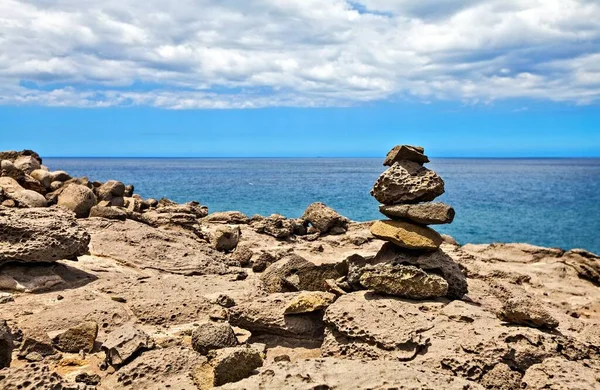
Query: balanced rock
{"points": [[423, 213], [407, 235], [405, 152], [404, 281], [325, 219], [40, 235], [77, 198], [213, 335], [6, 345], [78, 338], [25, 198], [407, 182]]}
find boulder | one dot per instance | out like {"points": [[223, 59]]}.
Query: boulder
{"points": [[123, 343], [44, 177], [27, 164], [325, 219], [231, 217], [310, 301], [78, 338], [108, 213], [110, 189], [437, 262], [6, 345], [528, 312], [266, 315], [8, 169], [405, 152], [37, 343], [40, 235], [227, 365], [428, 213], [225, 238], [77, 198], [213, 335], [61, 176], [294, 273], [12, 155], [275, 225], [404, 281], [407, 182], [25, 198], [407, 235], [264, 260]]}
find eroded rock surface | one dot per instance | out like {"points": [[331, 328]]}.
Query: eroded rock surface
{"points": [[407, 181]]}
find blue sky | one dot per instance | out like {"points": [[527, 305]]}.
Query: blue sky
{"points": [[300, 77]]}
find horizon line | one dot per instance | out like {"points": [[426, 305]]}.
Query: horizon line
{"points": [[325, 157]]}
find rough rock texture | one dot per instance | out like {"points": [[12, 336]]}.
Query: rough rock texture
{"points": [[123, 343], [437, 262], [225, 238], [586, 264], [267, 315], [428, 213], [77, 198], [40, 235], [78, 338], [310, 301], [143, 246], [333, 373], [233, 217], [110, 189], [274, 225], [6, 344], [403, 281], [407, 182], [32, 376], [325, 219], [42, 277], [407, 235], [558, 374], [405, 152], [193, 208], [526, 312], [294, 273], [44, 177], [27, 164], [212, 335], [108, 213], [24, 198], [226, 366]]}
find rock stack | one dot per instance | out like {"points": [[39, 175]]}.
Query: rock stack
{"points": [[411, 264]]}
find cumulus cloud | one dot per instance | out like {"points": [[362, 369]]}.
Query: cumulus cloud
{"points": [[242, 54]]}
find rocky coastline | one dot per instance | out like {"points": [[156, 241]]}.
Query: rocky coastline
{"points": [[103, 289]]}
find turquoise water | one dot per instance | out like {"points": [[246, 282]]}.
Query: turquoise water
{"points": [[549, 202]]}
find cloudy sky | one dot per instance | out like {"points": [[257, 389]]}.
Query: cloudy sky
{"points": [[518, 55]]}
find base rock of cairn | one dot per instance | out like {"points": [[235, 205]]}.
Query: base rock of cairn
{"points": [[406, 190]]}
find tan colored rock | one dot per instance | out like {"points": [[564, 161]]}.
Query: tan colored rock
{"points": [[526, 311], [78, 338], [6, 345], [558, 374], [123, 343], [77, 198], [428, 213], [44, 177], [60, 176], [294, 273], [213, 335], [310, 301], [406, 152], [403, 281], [108, 213], [110, 189], [234, 217], [25, 198], [325, 219], [27, 164], [226, 366], [225, 238], [407, 181], [407, 235]]}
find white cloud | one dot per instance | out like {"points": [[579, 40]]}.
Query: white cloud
{"points": [[236, 53]]}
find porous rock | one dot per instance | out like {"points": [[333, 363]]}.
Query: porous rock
{"points": [[40, 235], [403, 281], [325, 219], [123, 343], [407, 182], [275, 225], [428, 213], [526, 311], [232, 217], [6, 344], [77, 338], [213, 335], [310, 301], [32, 376], [25, 198], [294, 273], [407, 235], [226, 366]]}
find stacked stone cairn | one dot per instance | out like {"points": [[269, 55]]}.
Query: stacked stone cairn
{"points": [[411, 263]]}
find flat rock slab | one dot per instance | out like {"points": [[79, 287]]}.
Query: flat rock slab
{"points": [[403, 281], [405, 152], [145, 247], [42, 277], [407, 235], [428, 213], [407, 182]]}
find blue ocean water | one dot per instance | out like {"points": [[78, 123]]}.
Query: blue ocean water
{"points": [[548, 202]]}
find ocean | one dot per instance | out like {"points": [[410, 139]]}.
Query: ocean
{"points": [[547, 202]]}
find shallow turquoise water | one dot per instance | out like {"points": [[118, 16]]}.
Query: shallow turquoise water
{"points": [[549, 202]]}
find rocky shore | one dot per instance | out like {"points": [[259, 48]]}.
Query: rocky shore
{"points": [[102, 289]]}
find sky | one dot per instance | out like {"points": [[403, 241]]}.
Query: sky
{"points": [[234, 78]]}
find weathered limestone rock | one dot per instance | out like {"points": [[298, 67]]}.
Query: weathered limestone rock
{"points": [[213, 335], [225, 238], [267, 315], [226, 366], [36, 343], [78, 338], [325, 219], [405, 152], [407, 235], [432, 262], [8, 169], [293, 273], [6, 345], [61, 176], [407, 182], [275, 225], [403, 281], [77, 198], [25, 198], [44, 177], [110, 189], [230, 217], [529, 312], [108, 213], [40, 235], [428, 213], [32, 376], [586, 264], [193, 208], [557, 373], [27, 164], [310, 301], [501, 377], [12, 155], [123, 343]]}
